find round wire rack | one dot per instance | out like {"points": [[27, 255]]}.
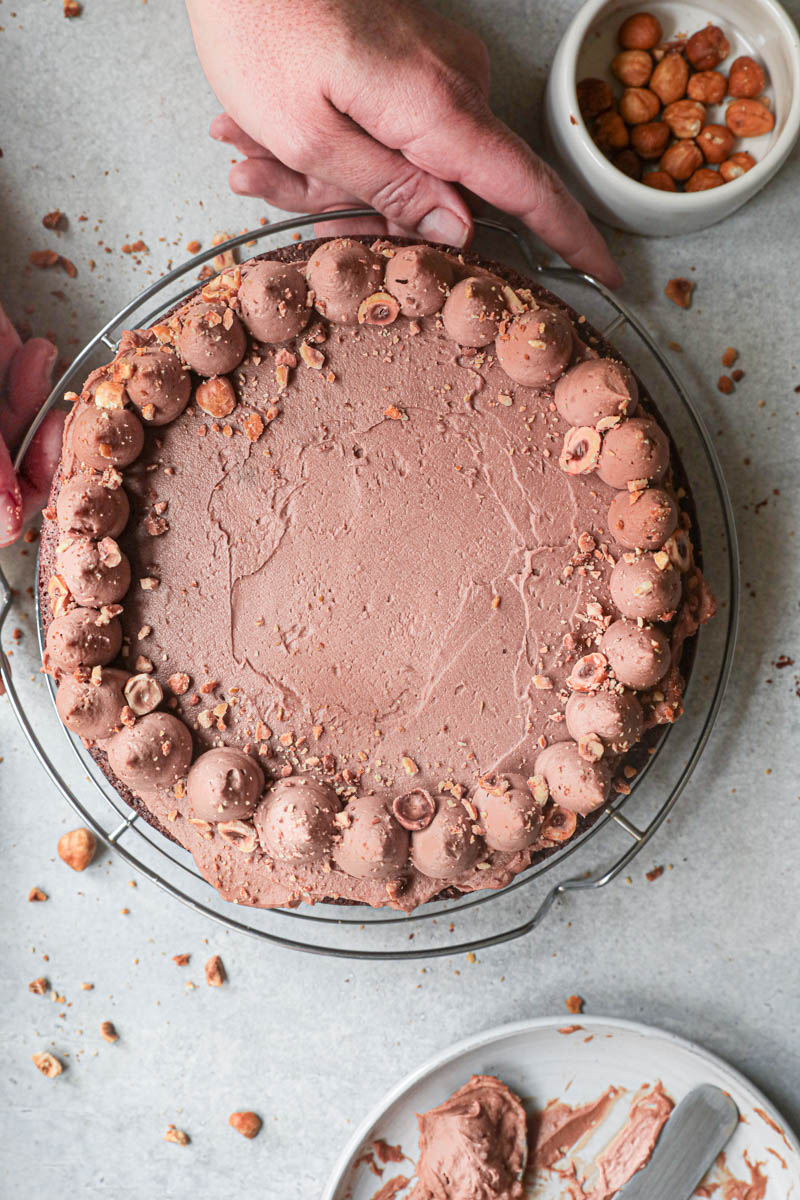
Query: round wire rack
{"points": [[474, 921]]}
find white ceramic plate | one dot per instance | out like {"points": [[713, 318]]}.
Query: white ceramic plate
{"points": [[540, 1063]]}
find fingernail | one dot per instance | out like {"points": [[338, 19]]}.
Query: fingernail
{"points": [[442, 225]]}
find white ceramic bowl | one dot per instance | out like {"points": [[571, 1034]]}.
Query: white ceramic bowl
{"points": [[760, 28]]}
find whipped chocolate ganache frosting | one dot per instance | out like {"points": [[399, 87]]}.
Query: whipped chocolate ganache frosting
{"points": [[364, 573]]}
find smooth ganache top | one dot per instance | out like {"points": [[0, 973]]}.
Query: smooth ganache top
{"points": [[367, 570]]}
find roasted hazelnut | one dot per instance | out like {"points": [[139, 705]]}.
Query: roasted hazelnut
{"points": [[684, 117], [246, 1123], [738, 164], [594, 97], [681, 159], [638, 105], [660, 180], [77, 848], [746, 78], [216, 396], [650, 140], [707, 86], [706, 48], [632, 67], [629, 163], [748, 118], [702, 180], [716, 143], [670, 77], [640, 31], [610, 131]]}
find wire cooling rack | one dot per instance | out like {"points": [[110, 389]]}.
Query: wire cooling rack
{"points": [[488, 918]]}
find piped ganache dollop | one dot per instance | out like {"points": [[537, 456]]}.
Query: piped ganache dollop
{"points": [[365, 572]]}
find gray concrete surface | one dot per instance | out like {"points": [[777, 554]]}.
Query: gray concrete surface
{"points": [[106, 116]]}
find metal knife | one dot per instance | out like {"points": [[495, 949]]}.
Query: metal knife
{"points": [[690, 1141]]}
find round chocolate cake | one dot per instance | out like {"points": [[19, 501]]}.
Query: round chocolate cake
{"points": [[364, 573]]}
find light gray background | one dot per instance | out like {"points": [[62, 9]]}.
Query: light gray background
{"points": [[107, 116]]}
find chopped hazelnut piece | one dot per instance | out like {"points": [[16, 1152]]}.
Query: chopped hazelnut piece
{"points": [[181, 960], [108, 1032], [679, 291], [574, 1004], [215, 972], [48, 1064], [38, 986], [36, 895], [176, 1135]]}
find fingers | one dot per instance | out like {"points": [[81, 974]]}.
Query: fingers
{"points": [[285, 188], [10, 343], [472, 146], [224, 129], [29, 383], [341, 153], [10, 499], [40, 464]]}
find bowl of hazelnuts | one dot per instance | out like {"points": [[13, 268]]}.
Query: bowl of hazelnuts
{"points": [[668, 119]]}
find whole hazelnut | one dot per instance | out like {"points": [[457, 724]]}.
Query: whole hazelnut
{"points": [[748, 118], [632, 67], [702, 180], [746, 78], [245, 1123], [610, 132], [706, 48], [670, 78], [707, 86], [638, 105], [738, 164], [77, 848], [216, 396], [629, 163], [640, 31], [660, 180], [594, 97], [716, 142], [650, 140], [685, 117], [681, 159]]}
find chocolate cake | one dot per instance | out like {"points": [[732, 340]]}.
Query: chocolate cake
{"points": [[364, 573]]}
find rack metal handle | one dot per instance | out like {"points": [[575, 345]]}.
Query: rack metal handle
{"points": [[579, 883]]}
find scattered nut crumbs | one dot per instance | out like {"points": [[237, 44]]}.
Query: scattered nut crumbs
{"points": [[36, 894], [193, 246], [38, 986], [181, 959], [72, 8], [725, 384], [215, 972], [656, 873], [729, 356], [248, 1124], [48, 1064], [679, 291], [54, 219], [108, 1032], [176, 1135], [574, 1004]]}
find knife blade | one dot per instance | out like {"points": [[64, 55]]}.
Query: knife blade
{"points": [[690, 1141]]}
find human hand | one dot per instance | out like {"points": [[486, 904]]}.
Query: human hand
{"points": [[25, 372], [382, 102]]}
